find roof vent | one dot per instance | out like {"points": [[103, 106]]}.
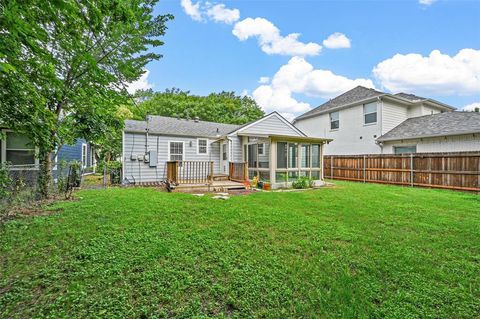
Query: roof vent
{"points": [[196, 119]]}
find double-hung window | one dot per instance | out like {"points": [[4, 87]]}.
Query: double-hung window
{"points": [[19, 149], [202, 146], [335, 120], [176, 151], [370, 113]]}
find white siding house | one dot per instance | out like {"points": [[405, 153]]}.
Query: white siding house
{"points": [[148, 147], [357, 119]]}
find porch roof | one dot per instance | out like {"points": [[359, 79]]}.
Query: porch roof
{"points": [[304, 139]]}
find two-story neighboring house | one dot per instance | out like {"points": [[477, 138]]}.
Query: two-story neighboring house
{"points": [[362, 121]]}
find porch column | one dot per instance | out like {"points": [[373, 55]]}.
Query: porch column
{"points": [[273, 161]]}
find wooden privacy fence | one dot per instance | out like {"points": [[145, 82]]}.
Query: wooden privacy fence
{"points": [[459, 171], [190, 172], [238, 171]]}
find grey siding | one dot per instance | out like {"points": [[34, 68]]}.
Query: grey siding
{"points": [[139, 171], [236, 149], [271, 125]]}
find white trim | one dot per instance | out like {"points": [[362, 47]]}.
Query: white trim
{"points": [[198, 146], [123, 155], [183, 149], [265, 118], [84, 153]]}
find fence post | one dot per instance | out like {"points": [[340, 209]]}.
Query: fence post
{"points": [[411, 169], [331, 166], [364, 169]]}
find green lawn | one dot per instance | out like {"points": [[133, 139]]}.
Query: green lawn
{"points": [[352, 251]]}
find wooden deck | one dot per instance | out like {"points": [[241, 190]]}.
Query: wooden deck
{"points": [[214, 186]]}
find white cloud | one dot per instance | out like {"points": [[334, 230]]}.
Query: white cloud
{"points": [[299, 77], [192, 9], [140, 84], [426, 2], [437, 73], [270, 40], [288, 116], [264, 80], [471, 107], [337, 40], [219, 13]]}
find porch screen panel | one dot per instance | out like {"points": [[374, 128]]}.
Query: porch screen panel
{"points": [[252, 156], [292, 155], [281, 155], [305, 156], [316, 156]]}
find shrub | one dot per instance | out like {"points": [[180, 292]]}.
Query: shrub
{"points": [[302, 182], [5, 182]]}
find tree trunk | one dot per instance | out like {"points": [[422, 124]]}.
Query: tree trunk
{"points": [[45, 177]]}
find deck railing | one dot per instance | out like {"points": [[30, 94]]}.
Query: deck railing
{"points": [[190, 172], [238, 171]]}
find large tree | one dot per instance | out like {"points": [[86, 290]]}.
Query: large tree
{"points": [[64, 65], [224, 107]]}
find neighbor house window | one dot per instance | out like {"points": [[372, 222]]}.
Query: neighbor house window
{"points": [[334, 120], [19, 150], [405, 149], [202, 146], [84, 155], [370, 113], [175, 151]]}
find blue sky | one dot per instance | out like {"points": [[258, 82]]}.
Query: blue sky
{"points": [[426, 47]]}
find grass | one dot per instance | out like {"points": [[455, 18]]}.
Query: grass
{"points": [[353, 251]]}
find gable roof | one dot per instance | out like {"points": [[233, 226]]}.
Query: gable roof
{"points": [[356, 94], [251, 126], [441, 124], [179, 127], [363, 94]]}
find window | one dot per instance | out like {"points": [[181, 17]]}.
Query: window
{"points": [[405, 149], [261, 149], [224, 151], [19, 150], [84, 155], [175, 151], [202, 146], [370, 113], [334, 120]]}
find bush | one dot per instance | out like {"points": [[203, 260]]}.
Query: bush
{"points": [[303, 182], [113, 168], [5, 182]]}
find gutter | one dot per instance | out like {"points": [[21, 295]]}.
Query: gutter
{"points": [[380, 140]]}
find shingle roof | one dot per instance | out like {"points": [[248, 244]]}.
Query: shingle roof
{"points": [[173, 126], [442, 124], [411, 97], [356, 94]]}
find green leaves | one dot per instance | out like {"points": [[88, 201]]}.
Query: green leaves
{"points": [[224, 107], [64, 64]]}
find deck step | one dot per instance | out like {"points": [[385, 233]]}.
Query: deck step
{"points": [[220, 177]]}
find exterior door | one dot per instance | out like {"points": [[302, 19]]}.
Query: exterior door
{"points": [[224, 157]]}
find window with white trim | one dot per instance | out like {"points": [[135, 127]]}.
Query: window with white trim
{"points": [[261, 149], [370, 113], [19, 149], [84, 155], [202, 146], [335, 120], [176, 151]]}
